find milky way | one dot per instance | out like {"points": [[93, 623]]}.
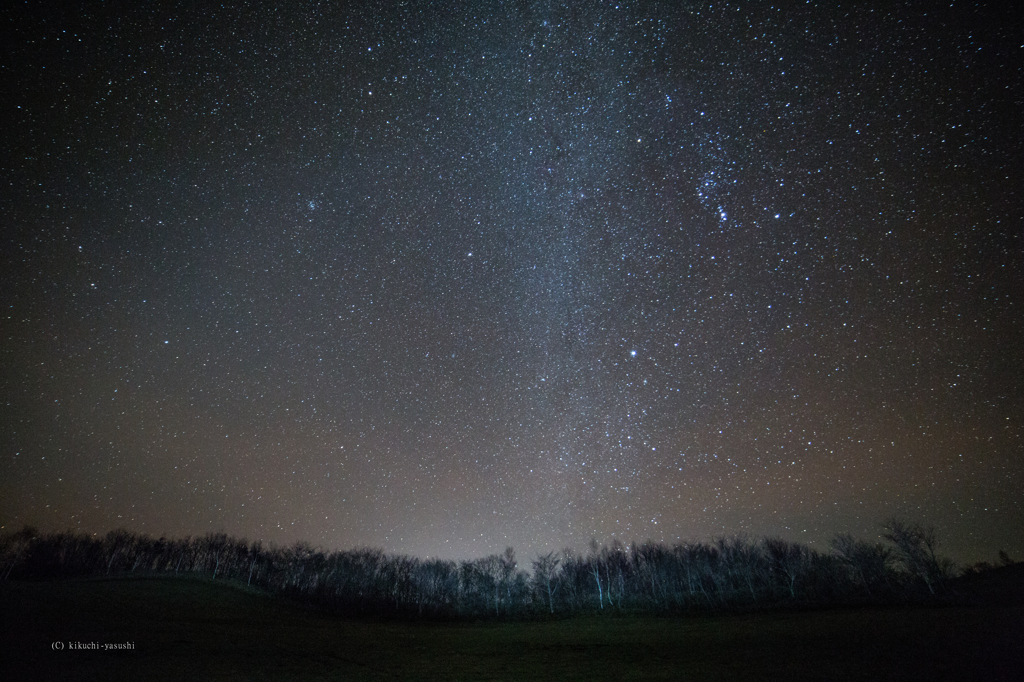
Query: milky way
{"points": [[442, 279]]}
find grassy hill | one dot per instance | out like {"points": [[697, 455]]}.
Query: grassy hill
{"points": [[187, 628]]}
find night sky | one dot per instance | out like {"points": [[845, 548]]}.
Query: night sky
{"points": [[448, 277]]}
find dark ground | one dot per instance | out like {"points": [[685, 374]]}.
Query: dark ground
{"points": [[185, 628]]}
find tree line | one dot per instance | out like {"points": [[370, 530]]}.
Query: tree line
{"points": [[727, 573]]}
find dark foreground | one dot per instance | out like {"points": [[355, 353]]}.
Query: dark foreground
{"points": [[193, 629]]}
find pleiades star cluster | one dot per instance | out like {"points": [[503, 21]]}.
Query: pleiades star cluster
{"points": [[446, 277]]}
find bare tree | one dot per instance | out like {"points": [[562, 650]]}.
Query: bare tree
{"points": [[436, 583], [652, 563], [544, 572], [788, 560], [698, 562], [916, 550], [252, 557], [15, 546], [617, 569], [481, 584], [118, 542], [574, 578], [215, 546], [741, 561], [732, 571], [594, 566], [507, 567], [868, 564], [514, 587]]}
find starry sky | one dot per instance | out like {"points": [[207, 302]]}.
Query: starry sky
{"points": [[446, 277]]}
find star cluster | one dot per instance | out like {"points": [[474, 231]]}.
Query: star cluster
{"points": [[443, 278]]}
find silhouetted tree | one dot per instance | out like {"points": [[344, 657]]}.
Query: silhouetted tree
{"points": [[916, 550], [594, 568], [788, 560], [481, 581], [119, 543], [698, 562], [544, 572], [515, 591], [868, 565], [617, 566], [13, 548], [741, 561], [729, 572], [215, 548], [655, 566], [575, 579], [437, 584]]}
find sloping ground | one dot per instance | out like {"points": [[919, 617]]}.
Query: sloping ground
{"points": [[998, 587], [193, 629]]}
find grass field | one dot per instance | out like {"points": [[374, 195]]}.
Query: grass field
{"points": [[191, 629]]}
